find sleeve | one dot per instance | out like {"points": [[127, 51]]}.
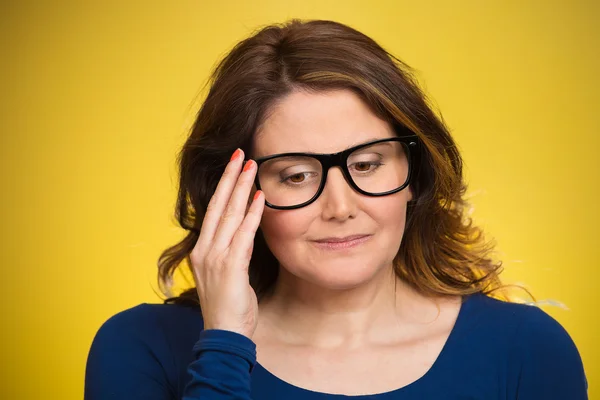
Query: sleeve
{"points": [[222, 366], [550, 365], [127, 358]]}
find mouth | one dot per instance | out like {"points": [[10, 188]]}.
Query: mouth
{"points": [[340, 243]]}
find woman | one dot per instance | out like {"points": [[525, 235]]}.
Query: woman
{"points": [[330, 248]]}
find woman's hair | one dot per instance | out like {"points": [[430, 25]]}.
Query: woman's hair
{"points": [[442, 252]]}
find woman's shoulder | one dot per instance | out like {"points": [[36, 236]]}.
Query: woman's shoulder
{"points": [[146, 320], [148, 345], [536, 343], [525, 324], [526, 320], [521, 342], [155, 330]]}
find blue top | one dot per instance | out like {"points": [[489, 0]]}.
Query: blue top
{"points": [[496, 350]]}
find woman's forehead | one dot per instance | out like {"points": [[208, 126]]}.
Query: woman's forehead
{"points": [[322, 122]]}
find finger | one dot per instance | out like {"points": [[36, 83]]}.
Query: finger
{"points": [[219, 201], [243, 240], [236, 209]]}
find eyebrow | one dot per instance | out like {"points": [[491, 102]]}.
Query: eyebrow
{"points": [[372, 139], [366, 141]]}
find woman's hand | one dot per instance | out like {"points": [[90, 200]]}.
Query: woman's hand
{"points": [[222, 253]]}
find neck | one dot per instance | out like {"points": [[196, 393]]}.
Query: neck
{"points": [[302, 313]]}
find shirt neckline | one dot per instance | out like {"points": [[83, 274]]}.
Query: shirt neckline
{"points": [[445, 353]]}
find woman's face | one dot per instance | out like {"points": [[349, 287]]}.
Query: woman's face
{"points": [[328, 122]]}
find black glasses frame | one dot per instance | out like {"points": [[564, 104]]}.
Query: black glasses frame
{"points": [[340, 159]]}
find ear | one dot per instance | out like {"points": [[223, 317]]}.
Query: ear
{"points": [[410, 193]]}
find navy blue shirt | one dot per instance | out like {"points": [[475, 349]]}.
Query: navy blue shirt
{"points": [[496, 350]]}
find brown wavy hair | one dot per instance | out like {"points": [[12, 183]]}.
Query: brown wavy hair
{"points": [[442, 252]]}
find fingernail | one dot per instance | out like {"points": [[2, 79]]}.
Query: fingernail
{"points": [[248, 165], [235, 155], [256, 195]]}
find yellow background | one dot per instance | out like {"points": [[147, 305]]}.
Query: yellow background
{"points": [[96, 99]]}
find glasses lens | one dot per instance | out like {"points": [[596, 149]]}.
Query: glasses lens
{"points": [[379, 168], [292, 180], [289, 181]]}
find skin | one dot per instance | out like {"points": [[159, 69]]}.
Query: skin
{"points": [[342, 314]]}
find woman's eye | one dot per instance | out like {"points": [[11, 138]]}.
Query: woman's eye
{"points": [[362, 166], [297, 178], [365, 166]]}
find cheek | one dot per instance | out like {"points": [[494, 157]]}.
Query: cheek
{"points": [[390, 216], [392, 213], [282, 227]]}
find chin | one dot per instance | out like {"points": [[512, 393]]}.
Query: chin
{"points": [[341, 275]]}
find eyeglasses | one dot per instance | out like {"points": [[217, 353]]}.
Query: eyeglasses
{"points": [[378, 168]]}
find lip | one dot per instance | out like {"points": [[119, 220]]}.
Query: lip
{"points": [[339, 239], [347, 242]]}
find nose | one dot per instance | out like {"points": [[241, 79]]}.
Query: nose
{"points": [[339, 200]]}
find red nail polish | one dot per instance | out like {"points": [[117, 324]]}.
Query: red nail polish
{"points": [[248, 165], [256, 195], [235, 155]]}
